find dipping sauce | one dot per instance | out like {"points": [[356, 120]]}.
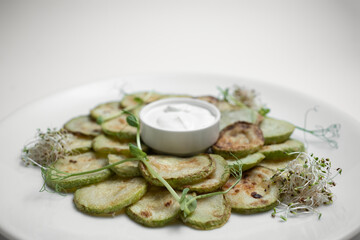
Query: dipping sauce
{"points": [[179, 117]]}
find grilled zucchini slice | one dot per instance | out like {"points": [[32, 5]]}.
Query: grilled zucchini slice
{"points": [[118, 127], [243, 114], [281, 151], [215, 180], [210, 213], [132, 100], [78, 163], [106, 111], [249, 161], [126, 169], [110, 196], [156, 209], [220, 104], [276, 131], [239, 139], [178, 171], [83, 125], [107, 144], [275, 165], [256, 192], [78, 144]]}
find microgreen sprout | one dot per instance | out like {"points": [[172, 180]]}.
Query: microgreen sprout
{"points": [[244, 98], [46, 147], [305, 185], [328, 134]]}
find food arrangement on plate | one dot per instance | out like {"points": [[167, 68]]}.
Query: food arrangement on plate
{"points": [[254, 165]]}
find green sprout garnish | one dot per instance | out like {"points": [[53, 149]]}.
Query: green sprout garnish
{"points": [[244, 98], [305, 185], [46, 147], [328, 134]]}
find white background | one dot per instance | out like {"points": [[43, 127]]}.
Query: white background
{"points": [[311, 46]]}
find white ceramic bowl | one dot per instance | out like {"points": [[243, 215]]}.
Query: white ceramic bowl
{"points": [[179, 142]]}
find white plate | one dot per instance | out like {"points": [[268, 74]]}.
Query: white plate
{"points": [[25, 213]]}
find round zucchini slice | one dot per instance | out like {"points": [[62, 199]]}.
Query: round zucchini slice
{"points": [[156, 209], [243, 114], [118, 127], [131, 100], [215, 180], [107, 144], [249, 161], [78, 144], [275, 165], [210, 213], [126, 169], [75, 164], [281, 151], [276, 131], [83, 125], [178, 171], [220, 104], [106, 111], [256, 192], [239, 139], [110, 196]]}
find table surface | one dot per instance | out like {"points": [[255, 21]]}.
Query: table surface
{"points": [[50, 46]]}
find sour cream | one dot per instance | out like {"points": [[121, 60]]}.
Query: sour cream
{"points": [[179, 117]]}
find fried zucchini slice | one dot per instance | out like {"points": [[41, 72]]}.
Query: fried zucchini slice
{"points": [[281, 151], [239, 139], [126, 169], [220, 104], [243, 114], [256, 192], [107, 144], [178, 171], [215, 180], [106, 111], [275, 165], [210, 213], [249, 161], [276, 131], [156, 209], [118, 127], [74, 164], [110, 196], [83, 125], [78, 144], [132, 100]]}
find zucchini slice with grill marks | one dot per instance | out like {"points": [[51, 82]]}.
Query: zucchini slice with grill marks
{"points": [[74, 164], [119, 128], [83, 125], [110, 196], [249, 161], [107, 144], [275, 165], [256, 192], [126, 169], [215, 180], [156, 209], [220, 104], [276, 131], [243, 114], [281, 151], [106, 111], [132, 100], [210, 213], [239, 139], [78, 144], [178, 171]]}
